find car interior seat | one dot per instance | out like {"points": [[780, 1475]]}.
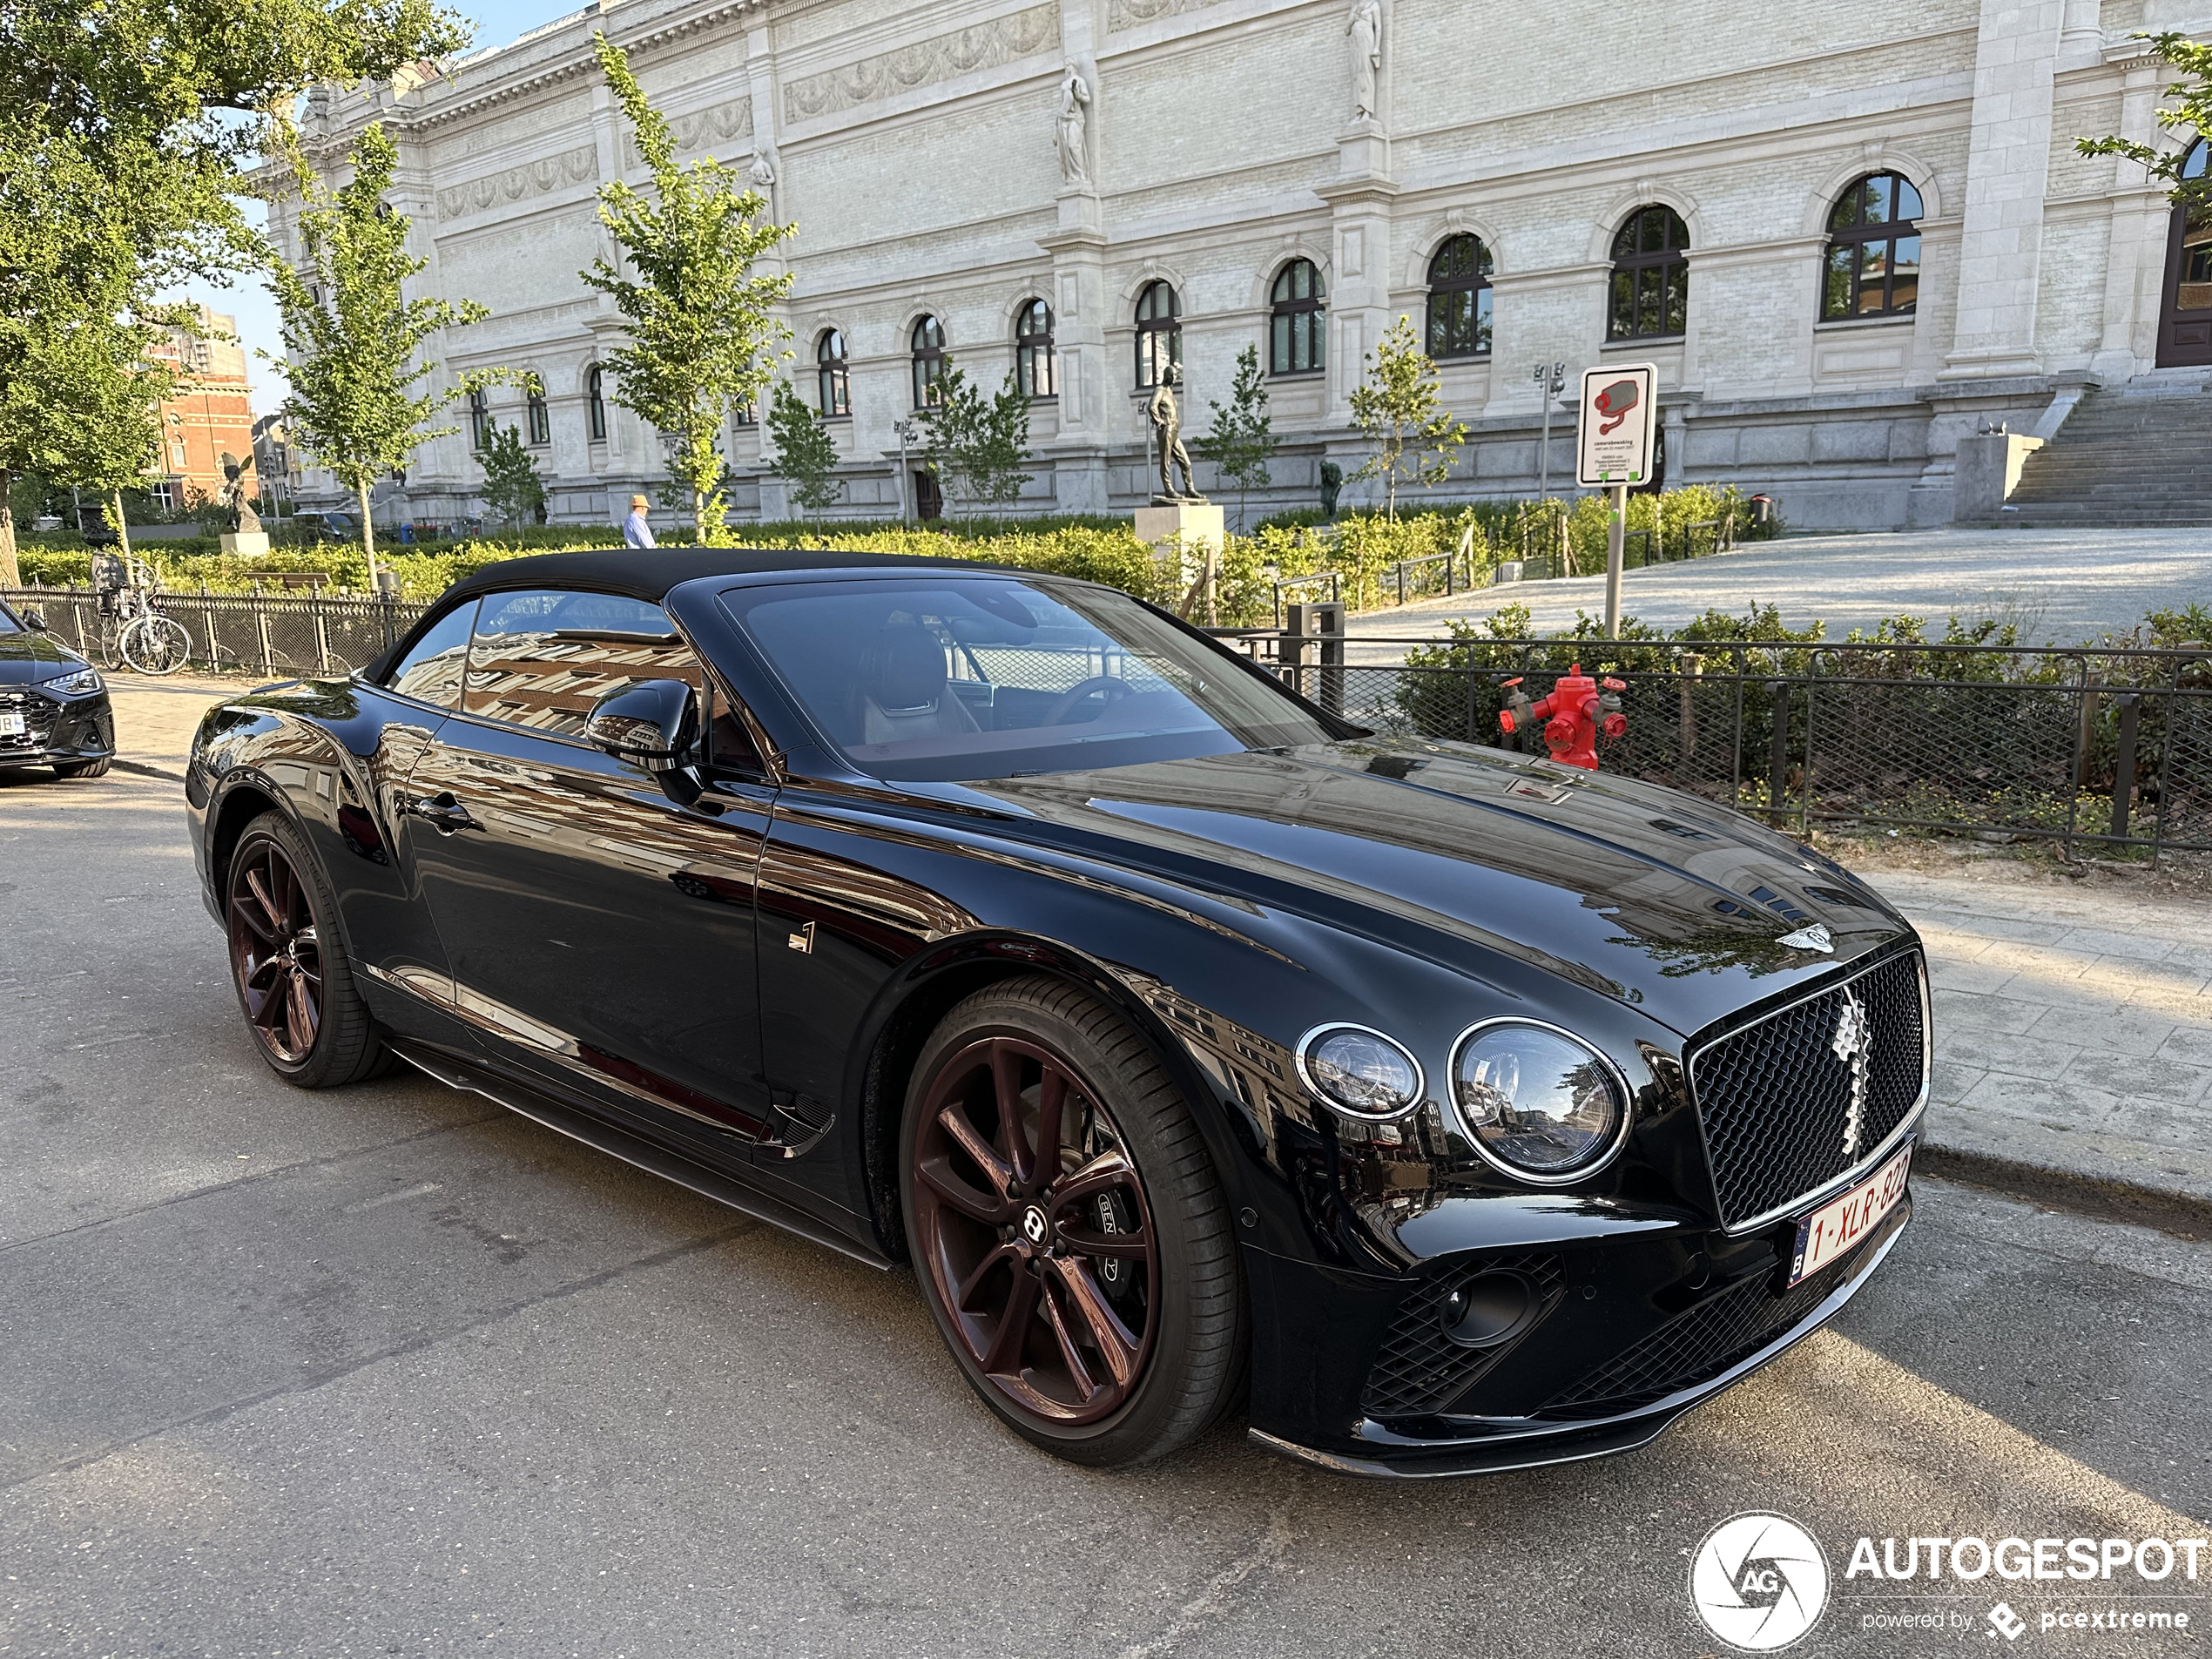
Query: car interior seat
{"points": [[902, 692]]}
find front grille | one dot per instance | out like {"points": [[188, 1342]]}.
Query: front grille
{"points": [[38, 717], [1776, 1098], [1419, 1369], [1698, 1345]]}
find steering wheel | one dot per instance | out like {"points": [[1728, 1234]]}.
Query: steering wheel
{"points": [[1107, 687]]}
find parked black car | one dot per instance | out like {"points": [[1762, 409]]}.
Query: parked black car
{"points": [[54, 708], [1454, 1110]]}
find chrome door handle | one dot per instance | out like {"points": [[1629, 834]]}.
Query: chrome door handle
{"points": [[445, 813]]}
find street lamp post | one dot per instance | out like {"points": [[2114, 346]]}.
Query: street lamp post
{"points": [[908, 433], [1551, 381]]}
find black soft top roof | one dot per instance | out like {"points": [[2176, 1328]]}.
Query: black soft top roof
{"points": [[649, 573]]}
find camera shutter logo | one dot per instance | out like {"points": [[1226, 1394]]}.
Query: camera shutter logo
{"points": [[1854, 1043], [1759, 1582]]}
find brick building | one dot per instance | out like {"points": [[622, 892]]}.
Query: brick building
{"points": [[1848, 235], [211, 415]]}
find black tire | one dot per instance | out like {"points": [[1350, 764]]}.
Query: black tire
{"points": [[344, 1047], [1190, 1366], [82, 768]]}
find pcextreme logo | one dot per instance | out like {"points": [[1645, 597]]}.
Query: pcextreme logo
{"points": [[1759, 1582]]}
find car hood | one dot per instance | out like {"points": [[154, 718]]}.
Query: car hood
{"points": [[26, 657], [1664, 901]]}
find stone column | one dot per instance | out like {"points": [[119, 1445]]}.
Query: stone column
{"points": [[1087, 378], [2135, 244], [2007, 166]]}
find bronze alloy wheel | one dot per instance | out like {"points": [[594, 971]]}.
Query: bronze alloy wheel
{"points": [[276, 952], [1032, 1222]]}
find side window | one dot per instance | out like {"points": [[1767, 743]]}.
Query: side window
{"points": [[432, 669], [542, 657]]}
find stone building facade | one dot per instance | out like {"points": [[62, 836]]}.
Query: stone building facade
{"points": [[1088, 186]]}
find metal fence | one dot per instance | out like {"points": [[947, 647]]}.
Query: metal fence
{"points": [[272, 634], [2088, 747]]}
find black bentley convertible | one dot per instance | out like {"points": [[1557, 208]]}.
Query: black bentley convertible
{"points": [[1442, 1108]]}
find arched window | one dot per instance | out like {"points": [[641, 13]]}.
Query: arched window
{"points": [[479, 420], [1297, 312], [928, 344], [1034, 365], [595, 404], [834, 385], [1459, 299], [541, 423], [1873, 267], [1159, 333], [1650, 296]]}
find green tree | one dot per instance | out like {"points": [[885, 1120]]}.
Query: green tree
{"points": [[75, 324], [357, 404], [512, 489], [977, 446], [2192, 113], [1241, 440], [806, 454], [1398, 408], [701, 335]]}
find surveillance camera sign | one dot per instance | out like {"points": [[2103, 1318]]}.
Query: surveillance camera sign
{"points": [[1615, 424]]}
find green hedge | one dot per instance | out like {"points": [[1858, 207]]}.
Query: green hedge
{"points": [[1362, 548]]}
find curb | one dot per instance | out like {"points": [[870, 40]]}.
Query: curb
{"points": [[2185, 1214], [147, 769]]}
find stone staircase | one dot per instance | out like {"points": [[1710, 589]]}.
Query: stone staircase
{"points": [[2135, 457]]}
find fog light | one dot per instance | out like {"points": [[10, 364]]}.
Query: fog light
{"points": [[1487, 1310]]}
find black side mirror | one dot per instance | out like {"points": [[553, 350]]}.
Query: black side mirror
{"points": [[35, 620], [653, 723]]}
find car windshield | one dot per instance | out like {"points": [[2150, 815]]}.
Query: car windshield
{"points": [[947, 680], [9, 623]]}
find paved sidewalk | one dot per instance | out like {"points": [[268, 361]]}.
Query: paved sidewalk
{"points": [[2062, 586], [155, 719], [2074, 1028]]}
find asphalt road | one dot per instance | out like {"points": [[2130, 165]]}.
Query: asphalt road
{"points": [[386, 1372]]}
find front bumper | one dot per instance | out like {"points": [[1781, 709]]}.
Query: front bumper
{"points": [[1684, 1358], [58, 729]]}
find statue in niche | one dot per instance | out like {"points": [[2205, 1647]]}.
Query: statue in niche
{"points": [[763, 176], [239, 517], [1072, 130], [1167, 433], [1364, 27]]}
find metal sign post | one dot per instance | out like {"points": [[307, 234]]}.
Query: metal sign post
{"points": [[1616, 422]]}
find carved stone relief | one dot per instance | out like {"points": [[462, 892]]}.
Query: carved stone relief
{"points": [[1127, 14], [986, 45], [702, 129], [539, 178]]}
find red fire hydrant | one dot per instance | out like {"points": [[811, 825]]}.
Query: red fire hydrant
{"points": [[1579, 710]]}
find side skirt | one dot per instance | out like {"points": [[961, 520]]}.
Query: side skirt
{"points": [[633, 1150]]}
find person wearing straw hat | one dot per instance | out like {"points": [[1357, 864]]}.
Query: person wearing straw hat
{"points": [[636, 532]]}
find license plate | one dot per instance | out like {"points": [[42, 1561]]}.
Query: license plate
{"points": [[11, 724], [1841, 1223]]}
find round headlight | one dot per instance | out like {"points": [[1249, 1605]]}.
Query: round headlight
{"points": [[1539, 1102], [1359, 1071]]}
